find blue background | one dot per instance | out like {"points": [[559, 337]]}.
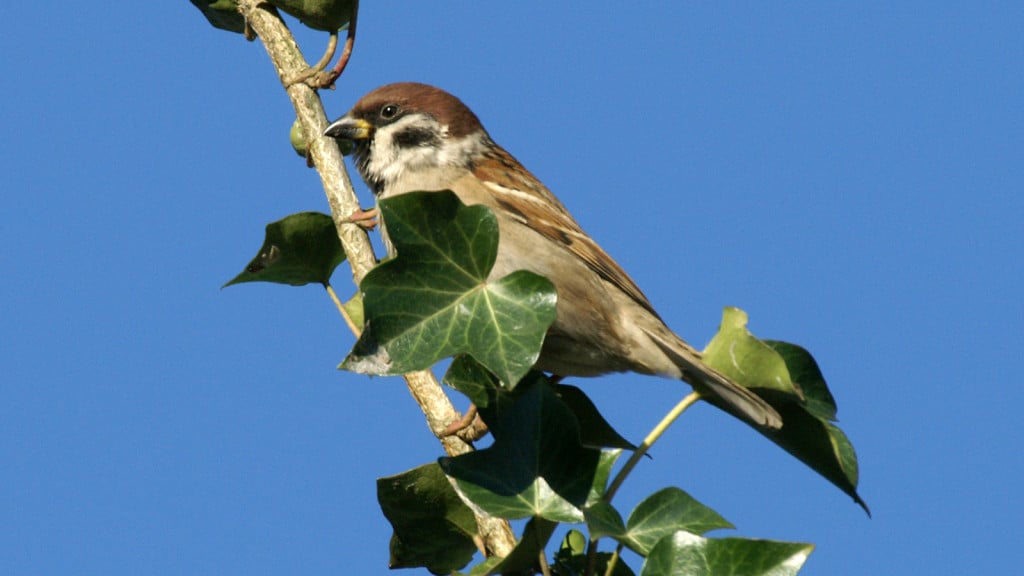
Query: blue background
{"points": [[849, 175]]}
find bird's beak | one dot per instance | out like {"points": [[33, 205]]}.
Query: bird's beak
{"points": [[346, 128]]}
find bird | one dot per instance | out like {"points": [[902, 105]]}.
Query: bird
{"points": [[413, 137]]}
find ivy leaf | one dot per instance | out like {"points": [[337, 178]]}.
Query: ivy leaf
{"points": [[354, 308], [297, 250], [667, 511], [604, 471], [685, 554], [595, 431], [432, 527], [435, 299], [222, 14], [779, 369], [604, 521], [536, 466], [571, 558], [469, 377], [735, 352], [326, 15], [804, 371], [523, 558]]}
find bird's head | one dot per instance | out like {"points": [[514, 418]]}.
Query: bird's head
{"points": [[406, 128]]}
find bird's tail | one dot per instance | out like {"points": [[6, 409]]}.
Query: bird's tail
{"points": [[717, 387]]}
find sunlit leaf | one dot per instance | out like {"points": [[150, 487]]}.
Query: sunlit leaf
{"points": [[808, 432], [435, 298], [667, 511], [685, 554]]}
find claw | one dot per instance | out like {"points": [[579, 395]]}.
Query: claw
{"points": [[470, 427], [367, 219]]}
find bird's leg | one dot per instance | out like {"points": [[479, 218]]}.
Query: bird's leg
{"points": [[470, 427], [319, 67], [366, 219]]}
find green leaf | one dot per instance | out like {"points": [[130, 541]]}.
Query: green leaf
{"points": [[807, 431], [354, 308], [805, 373], [435, 299], [432, 527], [469, 377], [686, 554], [571, 558], [297, 250], [482, 569], [667, 511], [735, 352], [536, 466], [326, 15], [819, 444], [604, 521], [523, 558], [222, 14], [595, 431], [604, 470]]}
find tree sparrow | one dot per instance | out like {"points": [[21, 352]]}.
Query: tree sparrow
{"points": [[413, 137]]}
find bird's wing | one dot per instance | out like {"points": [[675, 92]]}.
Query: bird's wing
{"points": [[517, 191]]}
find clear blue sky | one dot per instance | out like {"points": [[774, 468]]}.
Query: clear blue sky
{"points": [[852, 176]]}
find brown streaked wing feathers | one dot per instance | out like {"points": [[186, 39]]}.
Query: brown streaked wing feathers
{"points": [[548, 216]]}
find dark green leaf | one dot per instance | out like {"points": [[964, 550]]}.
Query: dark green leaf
{"points": [[667, 511], [571, 558], [604, 471], [432, 527], [222, 14], [595, 431], [819, 444], [805, 373], [686, 554], [604, 521], [326, 15], [807, 431], [297, 250], [435, 299], [469, 377], [536, 466], [482, 569], [524, 557]]}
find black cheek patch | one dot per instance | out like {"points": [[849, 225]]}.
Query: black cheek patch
{"points": [[416, 137]]}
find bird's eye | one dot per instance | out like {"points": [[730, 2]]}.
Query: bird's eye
{"points": [[389, 111]]}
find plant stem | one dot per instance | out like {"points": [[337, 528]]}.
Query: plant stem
{"points": [[288, 61], [649, 441], [642, 449], [613, 561], [341, 309]]}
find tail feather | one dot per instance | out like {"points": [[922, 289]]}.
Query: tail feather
{"points": [[723, 392]]}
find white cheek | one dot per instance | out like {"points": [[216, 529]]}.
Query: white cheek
{"points": [[392, 162]]}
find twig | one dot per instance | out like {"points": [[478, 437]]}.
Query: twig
{"points": [[341, 309], [639, 453], [649, 441], [288, 61]]}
